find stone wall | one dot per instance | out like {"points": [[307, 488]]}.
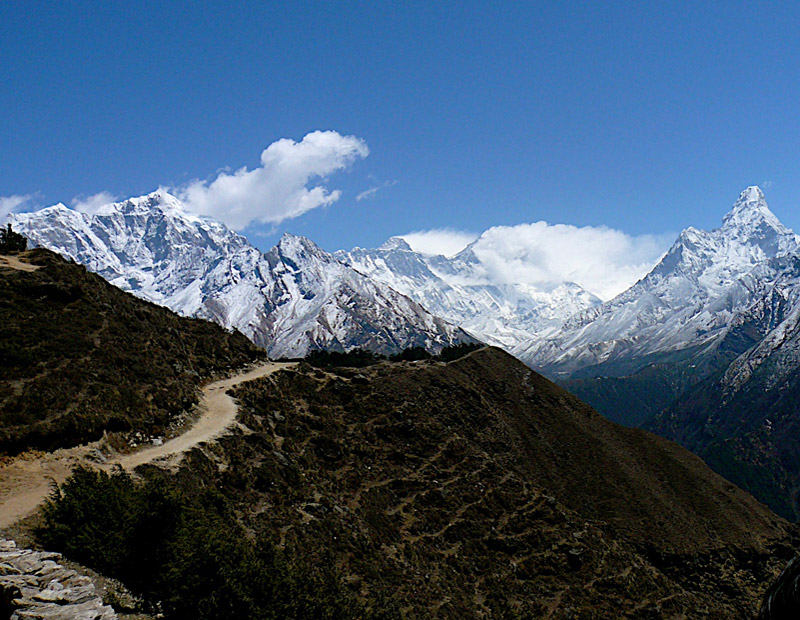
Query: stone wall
{"points": [[34, 586]]}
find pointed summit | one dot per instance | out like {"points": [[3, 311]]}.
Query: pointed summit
{"points": [[298, 249], [751, 194], [751, 214], [396, 243]]}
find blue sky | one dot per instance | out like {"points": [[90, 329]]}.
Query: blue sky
{"points": [[644, 117]]}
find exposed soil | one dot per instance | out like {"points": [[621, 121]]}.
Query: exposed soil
{"points": [[14, 262], [26, 481]]}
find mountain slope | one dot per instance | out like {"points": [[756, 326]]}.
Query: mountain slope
{"points": [[743, 420], [80, 357], [459, 290], [291, 300], [674, 322], [477, 487], [687, 300]]}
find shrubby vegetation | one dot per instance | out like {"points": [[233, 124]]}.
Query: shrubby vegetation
{"points": [[360, 358], [357, 358], [11, 242], [188, 556], [79, 357]]}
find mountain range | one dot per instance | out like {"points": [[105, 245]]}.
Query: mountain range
{"points": [[704, 350], [689, 301], [459, 289], [713, 324], [469, 488], [292, 299]]}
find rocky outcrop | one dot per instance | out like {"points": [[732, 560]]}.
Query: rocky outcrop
{"points": [[34, 586]]}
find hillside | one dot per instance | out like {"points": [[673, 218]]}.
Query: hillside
{"points": [[477, 488], [79, 357]]}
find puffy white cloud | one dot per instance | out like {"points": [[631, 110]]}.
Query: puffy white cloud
{"points": [[16, 202], [370, 193], [602, 260], [444, 241], [278, 189], [91, 204]]}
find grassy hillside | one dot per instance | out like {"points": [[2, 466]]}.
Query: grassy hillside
{"points": [[477, 488], [79, 356]]}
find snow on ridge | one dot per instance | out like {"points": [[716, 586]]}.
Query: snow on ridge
{"points": [[292, 299], [689, 298], [459, 290]]}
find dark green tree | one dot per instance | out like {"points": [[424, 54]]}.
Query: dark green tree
{"points": [[11, 242]]}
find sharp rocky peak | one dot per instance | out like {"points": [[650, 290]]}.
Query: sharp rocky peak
{"points": [[396, 243], [750, 214], [296, 247]]}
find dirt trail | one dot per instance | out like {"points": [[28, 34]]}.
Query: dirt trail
{"points": [[15, 263], [26, 480]]}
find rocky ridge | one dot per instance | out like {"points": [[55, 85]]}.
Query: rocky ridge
{"points": [[293, 299], [459, 289]]}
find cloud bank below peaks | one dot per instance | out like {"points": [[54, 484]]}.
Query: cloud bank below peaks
{"points": [[276, 190], [602, 260]]}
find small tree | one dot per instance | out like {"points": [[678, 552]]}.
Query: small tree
{"points": [[11, 242]]}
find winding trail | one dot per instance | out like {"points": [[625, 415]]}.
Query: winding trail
{"points": [[25, 481]]}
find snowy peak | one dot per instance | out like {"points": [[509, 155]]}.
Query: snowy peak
{"points": [[145, 205], [751, 221], [297, 250], [295, 298], [396, 243], [751, 202], [687, 300]]}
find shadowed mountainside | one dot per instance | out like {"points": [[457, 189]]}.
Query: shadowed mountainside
{"points": [[79, 357]]}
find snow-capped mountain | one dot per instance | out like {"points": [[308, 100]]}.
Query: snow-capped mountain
{"points": [[459, 290], [292, 299], [688, 302], [743, 419]]}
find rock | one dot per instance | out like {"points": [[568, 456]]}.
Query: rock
{"points": [[97, 456], [34, 586]]}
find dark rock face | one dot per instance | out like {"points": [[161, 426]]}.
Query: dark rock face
{"points": [[478, 488]]}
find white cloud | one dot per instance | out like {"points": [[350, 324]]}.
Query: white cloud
{"points": [[92, 204], [10, 204], [277, 189], [602, 260], [444, 241], [370, 193]]}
